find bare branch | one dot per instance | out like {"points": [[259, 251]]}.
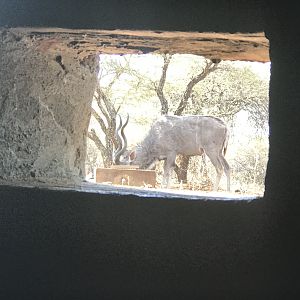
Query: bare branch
{"points": [[102, 106], [209, 67], [93, 136], [99, 120], [103, 110], [109, 106], [161, 84]]}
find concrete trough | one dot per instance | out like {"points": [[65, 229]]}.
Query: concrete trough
{"points": [[126, 175]]}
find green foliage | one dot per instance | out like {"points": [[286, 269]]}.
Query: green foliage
{"points": [[249, 166], [229, 90]]}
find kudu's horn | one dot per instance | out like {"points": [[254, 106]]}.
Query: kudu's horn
{"points": [[122, 140], [124, 136], [119, 140]]}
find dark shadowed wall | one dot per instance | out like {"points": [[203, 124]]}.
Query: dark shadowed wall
{"points": [[207, 15]]}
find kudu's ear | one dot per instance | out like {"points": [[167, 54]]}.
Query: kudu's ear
{"points": [[132, 155]]}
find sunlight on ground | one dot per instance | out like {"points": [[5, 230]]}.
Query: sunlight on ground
{"points": [[173, 192]]}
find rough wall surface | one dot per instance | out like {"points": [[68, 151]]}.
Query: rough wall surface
{"points": [[44, 111]]}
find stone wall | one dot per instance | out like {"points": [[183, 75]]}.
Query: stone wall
{"points": [[45, 100]]}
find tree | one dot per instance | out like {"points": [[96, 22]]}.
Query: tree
{"points": [[107, 122], [230, 90], [108, 106]]}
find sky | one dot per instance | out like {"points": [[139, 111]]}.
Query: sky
{"points": [[152, 63]]}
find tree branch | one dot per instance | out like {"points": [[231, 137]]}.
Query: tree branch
{"points": [[210, 66], [101, 106], [99, 120], [93, 136], [161, 84], [109, 106]]}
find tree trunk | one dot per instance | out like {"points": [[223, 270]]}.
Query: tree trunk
{"points": [[181, 168], [160, 88]]}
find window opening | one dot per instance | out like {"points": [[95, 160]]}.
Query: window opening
{"points": [[145, 87]]}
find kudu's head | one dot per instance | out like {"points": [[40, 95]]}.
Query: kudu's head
{"points": [[138, 156]]}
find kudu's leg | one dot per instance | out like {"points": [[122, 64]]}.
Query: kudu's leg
{"points": [[169, 166], [226, 170], [214, 158]]}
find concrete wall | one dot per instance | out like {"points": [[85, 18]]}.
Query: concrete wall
{"points": [[71, 245]]}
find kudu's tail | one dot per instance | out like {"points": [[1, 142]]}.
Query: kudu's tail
{"points": [[225, 144]]}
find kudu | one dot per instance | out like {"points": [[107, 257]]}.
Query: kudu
{"points": [[171, 135]]}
